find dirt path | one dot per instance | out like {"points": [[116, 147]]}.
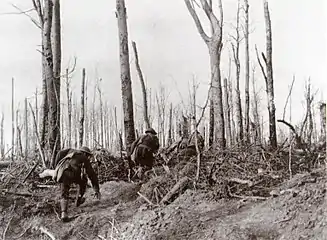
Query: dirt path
{"points": [[297, 213]]}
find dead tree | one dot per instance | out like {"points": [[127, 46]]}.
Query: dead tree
{"points": [[69, 108], [82, 117], [139, 72], [26, 130], [236, 56], [307, 125], [214, 44], [2, 143], [322, 108], [54, 103], [101, 132], [268, 76], [126, 83], [247, 73], [19, 147], [170, 127], [255, 111], [12, 119], [227, 113]]}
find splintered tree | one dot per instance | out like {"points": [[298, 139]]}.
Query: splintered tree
{"points": [[236, 55], [49, 22], [268, 76], [82, 117], [126, 84], [214, 44], [144, 93], [54, 142], [247, 73]]}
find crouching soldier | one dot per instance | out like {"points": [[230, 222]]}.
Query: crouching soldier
{"points": [[142, 150], [73, 166]]}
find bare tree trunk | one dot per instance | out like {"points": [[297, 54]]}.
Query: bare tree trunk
{"points": [[19, 147], [126, 84], [214, 44], [170, 139], [101, 134], [12, 119], [322, 108], [94, 130], [56, 54], [45, 105], [81, 121], [26, 130], [211, 122], [37, 138], [238, 105], [139, 72], [247, 74], [270, 80], [86, 124], [227, 114], [268, 76], [69, 108], [256, 118], [2, 143], [50, 80]]}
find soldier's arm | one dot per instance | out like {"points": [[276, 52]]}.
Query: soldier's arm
{"points": [[156, 139], [92, 175]]}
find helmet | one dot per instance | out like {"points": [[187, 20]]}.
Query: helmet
{"points": [[86, 150], [151, 130]]}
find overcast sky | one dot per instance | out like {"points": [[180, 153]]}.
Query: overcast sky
{"points": [[170, 48]]}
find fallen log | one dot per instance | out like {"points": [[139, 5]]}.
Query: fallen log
{"points": [[17, 193], [181, 184]]}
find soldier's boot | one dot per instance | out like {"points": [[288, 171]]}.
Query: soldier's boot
{"points": [[64, 208], [82, 187]]}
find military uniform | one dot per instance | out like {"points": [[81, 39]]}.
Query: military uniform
{"points": [[142, 149], [71, 166]]}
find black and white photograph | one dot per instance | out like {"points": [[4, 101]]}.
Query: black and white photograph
{"points": [[163, 120]]}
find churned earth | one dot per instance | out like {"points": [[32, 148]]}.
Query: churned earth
{"points": [[296, 210]]}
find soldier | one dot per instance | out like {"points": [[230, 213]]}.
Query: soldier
{"points": [[142, 150], [71, 166]]}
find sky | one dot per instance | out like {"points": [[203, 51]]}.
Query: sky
{"points": [[170, 49]]}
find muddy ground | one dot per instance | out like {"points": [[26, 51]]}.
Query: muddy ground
{"points": [[296, 210]]}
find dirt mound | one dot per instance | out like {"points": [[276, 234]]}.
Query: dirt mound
{"points": [[295, 211]]}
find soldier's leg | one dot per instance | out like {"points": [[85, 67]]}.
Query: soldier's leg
{"points": [[65, 185], [81, 191]]}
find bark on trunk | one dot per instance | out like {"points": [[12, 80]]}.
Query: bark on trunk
{"points": [[81, 121], [214, 44], [126, 84], [12, 119], [322, 109], [2, 143], [139, 72], [27, 139], [227, 114], [270, 80], [255, 103], [69, 109], [56, 53], [247, 74], [53, 131], [219, 128], [238, 105], [170, 127]]}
